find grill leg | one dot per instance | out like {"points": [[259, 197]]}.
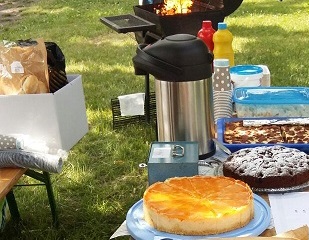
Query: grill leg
{"points": [[147, 99]]}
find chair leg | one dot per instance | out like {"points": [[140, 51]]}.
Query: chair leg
{"points": [[51, 199], [45, 178]]}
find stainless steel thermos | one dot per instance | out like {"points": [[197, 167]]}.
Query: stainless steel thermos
{"points": [[182, 67]]}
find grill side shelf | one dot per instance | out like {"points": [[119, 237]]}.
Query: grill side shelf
{"points": [[127, 23]]}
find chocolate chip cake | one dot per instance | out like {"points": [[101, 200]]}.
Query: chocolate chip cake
{"points": [[268, 167]]}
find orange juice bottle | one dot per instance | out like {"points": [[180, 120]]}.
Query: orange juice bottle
{"points": [[223, 39]]}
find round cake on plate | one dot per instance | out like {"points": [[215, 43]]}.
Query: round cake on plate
{"points": [[198, 205], [268, 167]]}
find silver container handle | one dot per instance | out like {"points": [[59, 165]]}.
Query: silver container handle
{"points": [[175, 152]]}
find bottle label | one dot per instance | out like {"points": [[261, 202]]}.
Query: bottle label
{"points": [[17, 67]]}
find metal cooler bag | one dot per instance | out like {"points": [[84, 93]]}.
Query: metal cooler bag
{"points": [[172, 159]]}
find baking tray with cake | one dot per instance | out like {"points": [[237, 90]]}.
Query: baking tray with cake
{"points": [[239, 133]]}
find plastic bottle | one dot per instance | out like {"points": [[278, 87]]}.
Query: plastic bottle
{"points": [[223, 39], [222, 89], [206, 34]]}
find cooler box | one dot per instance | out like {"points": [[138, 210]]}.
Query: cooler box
{"points": [[172, 159]]}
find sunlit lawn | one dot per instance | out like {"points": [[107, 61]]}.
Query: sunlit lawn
{"points": [[101, 179]]}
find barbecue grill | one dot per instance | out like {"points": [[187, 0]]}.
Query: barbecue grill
{"points": [[149, 26]]}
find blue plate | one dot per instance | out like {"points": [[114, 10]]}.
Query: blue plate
{"points": [[139, 229]]}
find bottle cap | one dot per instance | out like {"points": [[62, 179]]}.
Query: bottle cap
{"points": [[222, 25], [221, 62], [206, 24]]}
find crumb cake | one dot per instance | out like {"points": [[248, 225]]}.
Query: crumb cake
{"points": [[236, 133], [268, 167], [198, 205]]}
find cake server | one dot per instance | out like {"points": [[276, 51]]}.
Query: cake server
{"points": [[222, 147]]}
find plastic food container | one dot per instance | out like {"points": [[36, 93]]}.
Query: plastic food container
{"points": [[246, 75], [271, 101]]}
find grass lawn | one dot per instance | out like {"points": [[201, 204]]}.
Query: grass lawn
{"points": [[101, 179]]}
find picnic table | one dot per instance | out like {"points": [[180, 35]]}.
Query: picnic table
{"points": [[8, 178]]}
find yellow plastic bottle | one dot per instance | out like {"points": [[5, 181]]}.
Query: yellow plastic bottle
{"points": [[223, 39]]}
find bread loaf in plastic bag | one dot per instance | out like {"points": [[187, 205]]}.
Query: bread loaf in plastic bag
{"points": [[23, 67]]}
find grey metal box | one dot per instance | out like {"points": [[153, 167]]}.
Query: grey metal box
{"points": [[172, 159]]}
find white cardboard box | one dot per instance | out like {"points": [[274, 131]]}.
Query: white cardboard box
{"points": [[58, 119]]}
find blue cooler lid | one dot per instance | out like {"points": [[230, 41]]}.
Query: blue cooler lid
{"points": [[246, 70]]}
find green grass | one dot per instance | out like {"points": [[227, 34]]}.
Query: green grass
{"points": [[101, 179]]}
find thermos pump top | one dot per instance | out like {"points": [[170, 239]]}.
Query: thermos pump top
{"points": [[176, 58]]}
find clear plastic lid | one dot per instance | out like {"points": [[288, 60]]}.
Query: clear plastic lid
{"points": [[271, 95]]}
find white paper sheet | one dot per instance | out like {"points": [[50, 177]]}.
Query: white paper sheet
{"points": [[132, 104], [289, 210], [121, 231]]}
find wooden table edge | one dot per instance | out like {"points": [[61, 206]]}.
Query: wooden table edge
{"points": [[8, 178]]}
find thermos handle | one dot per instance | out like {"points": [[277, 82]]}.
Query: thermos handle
{"points": [[157, 62], [175, 153]]}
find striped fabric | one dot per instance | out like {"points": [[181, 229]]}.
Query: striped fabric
{"points": [[40, 161]]}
